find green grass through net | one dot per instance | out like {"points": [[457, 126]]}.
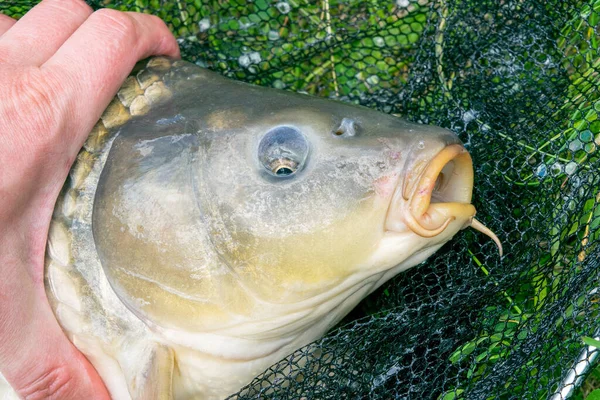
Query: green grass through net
{"points": [[519, 81]]}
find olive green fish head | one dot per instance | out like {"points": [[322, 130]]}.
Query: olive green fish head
{"points": [[209, 227], [232, 204], [300, 197]]}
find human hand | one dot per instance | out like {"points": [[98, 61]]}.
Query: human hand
{"points": [[60, 65]]}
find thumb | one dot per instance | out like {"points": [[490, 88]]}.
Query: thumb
{"points": [[37, 359]]}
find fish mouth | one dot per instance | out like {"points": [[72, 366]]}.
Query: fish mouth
{"points": [[434, 194]]}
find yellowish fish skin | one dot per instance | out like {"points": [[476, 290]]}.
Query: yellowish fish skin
{"points": [[210, 227]]}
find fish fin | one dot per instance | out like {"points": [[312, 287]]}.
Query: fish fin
{"points": [[158, 375]]}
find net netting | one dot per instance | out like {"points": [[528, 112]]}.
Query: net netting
{"points": [[518, 81]]}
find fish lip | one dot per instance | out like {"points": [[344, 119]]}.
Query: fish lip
{"points": [[437, 192]]}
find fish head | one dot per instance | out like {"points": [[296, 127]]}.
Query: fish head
{"points": [[233, 204], [307, 193], [235, 223]]}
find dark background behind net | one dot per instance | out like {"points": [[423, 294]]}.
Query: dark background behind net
{"points": [[518, 81]]}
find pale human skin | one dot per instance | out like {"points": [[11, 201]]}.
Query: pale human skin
{"points": [[60, 65]]}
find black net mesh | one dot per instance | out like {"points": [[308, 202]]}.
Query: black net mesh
{"points": [[518, 81]]}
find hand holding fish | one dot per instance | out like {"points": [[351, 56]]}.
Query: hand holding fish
{"points": [[59, 67], [208, 227]]}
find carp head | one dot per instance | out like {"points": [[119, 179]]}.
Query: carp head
{"points": [[240, 223]]}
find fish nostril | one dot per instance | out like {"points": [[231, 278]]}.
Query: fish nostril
{"points": [[348, 127]]}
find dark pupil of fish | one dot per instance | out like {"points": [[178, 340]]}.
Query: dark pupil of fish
{"points": [[284, 171]]}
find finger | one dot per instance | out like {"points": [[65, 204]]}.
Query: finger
{"points": [[57, 370], [36, 357], [41, 32], [97, 58], [5, 23]]}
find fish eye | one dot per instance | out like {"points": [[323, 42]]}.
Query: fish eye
{"points": [[283, 151]]}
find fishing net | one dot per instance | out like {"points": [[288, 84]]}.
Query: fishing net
{"points": [[518, 81]]}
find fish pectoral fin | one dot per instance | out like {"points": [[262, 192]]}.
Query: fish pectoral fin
{"points": [[157, 382]]}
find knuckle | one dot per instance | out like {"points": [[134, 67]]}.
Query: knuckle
{"points": [[35, 111], [82, 6], [55, 383], [154, 20], [36, 93], [72, 6], [118, 22]]}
